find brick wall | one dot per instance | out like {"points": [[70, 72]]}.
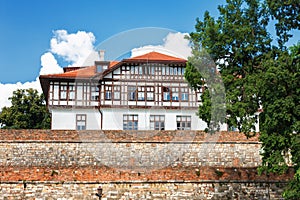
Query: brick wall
{"points": [[42, 164]]}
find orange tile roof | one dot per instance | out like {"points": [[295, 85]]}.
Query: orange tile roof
{"points": [[90, 71], [85, 72], [156, 56]]}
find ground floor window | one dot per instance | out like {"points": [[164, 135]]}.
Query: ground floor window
{"points": [[81, 122], [157, 122], [130, 122], [183, 122]]}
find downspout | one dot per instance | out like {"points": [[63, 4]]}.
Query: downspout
{"points": [[101, 116], [99, 106]]}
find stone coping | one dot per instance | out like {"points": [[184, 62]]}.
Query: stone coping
{"points": [[34, 135], [142, 182]]}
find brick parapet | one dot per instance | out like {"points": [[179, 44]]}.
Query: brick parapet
{"points": [[122, 136]]}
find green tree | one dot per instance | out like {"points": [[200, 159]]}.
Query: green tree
{"points": [[287, 16], [280, 121], [256, 74], [238, 38], [28, 111]]}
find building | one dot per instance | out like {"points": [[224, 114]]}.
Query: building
{"points": [[146, 92]]}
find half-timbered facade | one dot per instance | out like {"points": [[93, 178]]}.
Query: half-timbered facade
{"points": [[146, 92]]}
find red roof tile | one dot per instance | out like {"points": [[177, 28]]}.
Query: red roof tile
{"points": [[88, 72], [156, 56], [85, 72]]}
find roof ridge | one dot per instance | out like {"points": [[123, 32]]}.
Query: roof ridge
{"points": [[154, 55]]}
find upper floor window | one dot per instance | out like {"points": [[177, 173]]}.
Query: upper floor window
{"points": [[94, 93], [166, 93], [141, 93], [183, 122], [71, 91], [117, 92], [175, 94], [63, 89], [101, 67], [199, 93], [184, 94], [150, 93], [108, 92], [81, 122], [132, 93], [130, 122]]}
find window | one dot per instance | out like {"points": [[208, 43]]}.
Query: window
{"points": [[131, 93], [175, 70], [136, 70], [101, 68], [182, 69], [199, 93], [80, 122], [132, 70], [167, 70], [108, 92], [140, 70], [125, 68], [130, 122], [184, 94], [94, 93], [163, 70], [71, 91], [150, 93], [141, 93], [175, 94], [183, 122], [166, 93], [117, 92], [179, 70], [63, 91], [171, 70], [157, 122], [153, 70]]}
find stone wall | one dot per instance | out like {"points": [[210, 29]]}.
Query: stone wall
{"points": [[44, 164], [142, 190]]}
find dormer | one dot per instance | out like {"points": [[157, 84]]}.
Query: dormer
{"points": [[101, 66]]}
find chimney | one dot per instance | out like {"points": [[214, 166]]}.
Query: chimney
{"points": [[101, 55]]}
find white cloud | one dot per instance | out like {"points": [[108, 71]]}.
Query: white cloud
{"points": [[49, 64], [175, 44], [6, 90], [74, 47]]}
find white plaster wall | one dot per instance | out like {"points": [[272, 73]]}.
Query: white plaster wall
{"points": [[65, 119], [113, 118]]}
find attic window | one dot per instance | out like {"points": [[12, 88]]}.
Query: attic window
{"points": [[101, 68]]}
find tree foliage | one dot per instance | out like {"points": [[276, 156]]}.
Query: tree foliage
{"points": [[28, 111], [256, 74]]}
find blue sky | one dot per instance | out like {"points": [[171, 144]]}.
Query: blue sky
{"points": [[27, 26]]}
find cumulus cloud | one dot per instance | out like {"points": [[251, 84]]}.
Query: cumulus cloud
{"points": [[49, 64], [174, 44], [73, 48], [6, 90]]}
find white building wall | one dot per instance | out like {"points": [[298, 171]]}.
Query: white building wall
{"points": [[113, 118], [65, 119]]}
